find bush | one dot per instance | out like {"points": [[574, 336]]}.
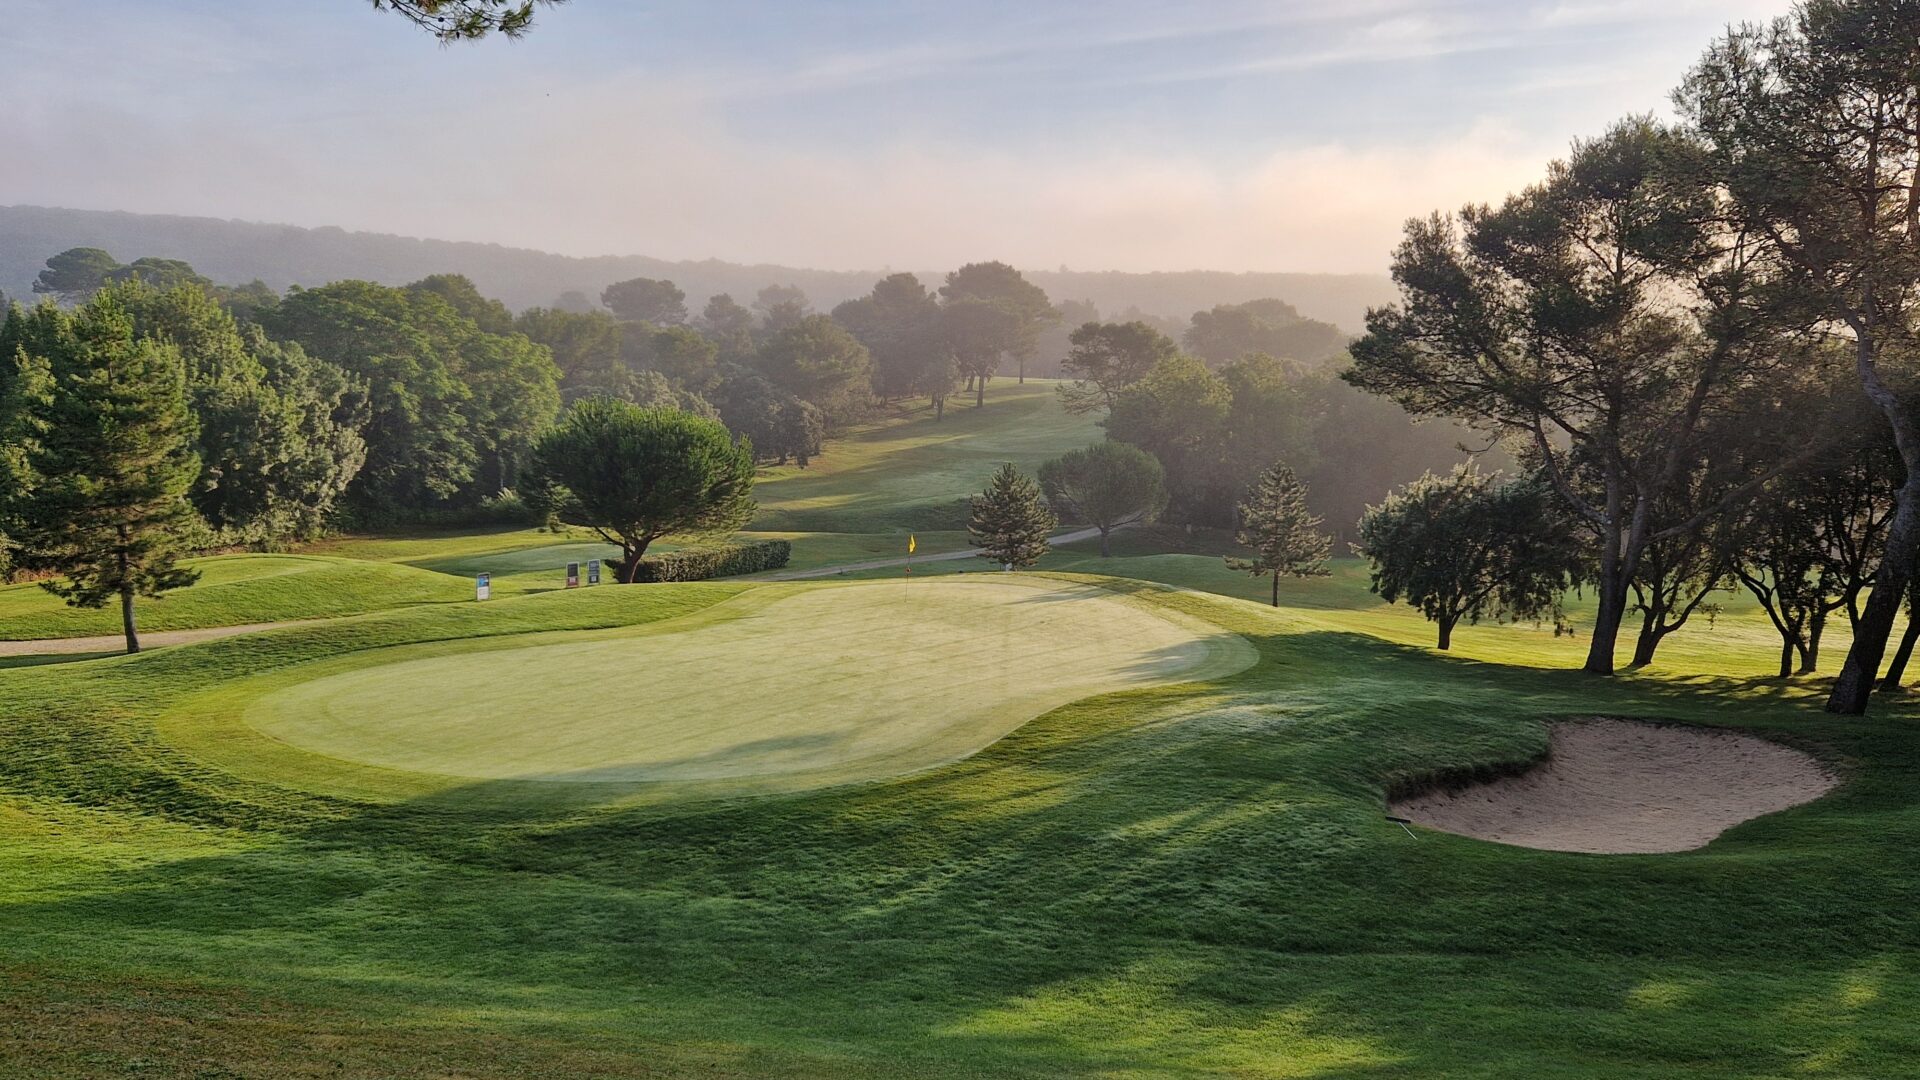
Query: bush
{"points": [[699, 564]]}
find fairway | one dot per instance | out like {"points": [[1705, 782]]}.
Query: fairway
{"points": [[818, 686]]}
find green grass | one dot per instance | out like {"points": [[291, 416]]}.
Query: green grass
{"points": [[1179, 880], [846, 702], [912, 472], [235, 590]]}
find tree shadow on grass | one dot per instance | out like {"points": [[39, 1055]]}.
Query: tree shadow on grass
{"points": [[1179, 879]]}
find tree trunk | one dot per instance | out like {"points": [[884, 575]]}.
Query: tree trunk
{"points": [[1786, 657], [630, 568], [1855, 684], [939, 407], [1446, 634], [979, 393], [1644, 647], [1650, 634], [1810, 652], [1898, 668], [1606, 629], [1106, 547], [1276, 588], [126, 615]]}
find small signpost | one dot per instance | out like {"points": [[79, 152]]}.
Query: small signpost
{"points": [[593, 571], [483, 587], [573, 575]]}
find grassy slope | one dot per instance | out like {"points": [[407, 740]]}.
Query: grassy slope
{"points": [[1169, 881], [234, 590]]}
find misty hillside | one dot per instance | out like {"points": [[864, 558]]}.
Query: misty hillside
{"points": [[281, 255]]}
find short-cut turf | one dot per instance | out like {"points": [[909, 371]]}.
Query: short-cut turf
{"points": [[810, 686], [234, 590]]}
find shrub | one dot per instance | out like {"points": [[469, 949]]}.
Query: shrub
{"points": [[727, 560]]}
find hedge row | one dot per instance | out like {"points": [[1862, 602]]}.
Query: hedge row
{"points": [[699, 564]]}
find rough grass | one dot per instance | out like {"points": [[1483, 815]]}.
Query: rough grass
{"points": [[1185, 880]]}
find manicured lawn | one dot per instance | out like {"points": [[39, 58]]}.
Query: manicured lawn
{"points": [[234, 590], [913, 472], [1178, 880], [847, 701]]}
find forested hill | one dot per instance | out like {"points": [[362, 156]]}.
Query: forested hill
{"points": [[234, 252]]}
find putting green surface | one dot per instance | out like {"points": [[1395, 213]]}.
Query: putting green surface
{"points": [[809, 686]]}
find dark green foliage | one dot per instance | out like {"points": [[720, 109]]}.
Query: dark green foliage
{"points": [[463, 297], [466, 20], [585, 347], [278, 431], [1470, 545], [1273, 327], [1106, 358], [1025, 306], [817, 361], [1010, 522], [633, 475], [690, 360], [1600, 318], [646, 300], [779, 425], [1179, 413], [703, 563], [111, 459], [730, 326], [74, 274], [159, 274], [1107, 485], [453, 408], [1808, 125], [1284, 535], [898, 322]]}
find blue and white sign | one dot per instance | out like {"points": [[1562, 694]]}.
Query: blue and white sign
{"points": [[483, 586]]}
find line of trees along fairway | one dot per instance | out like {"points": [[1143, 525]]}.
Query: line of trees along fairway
{"points": [[1677, 329], [1599, 320]]}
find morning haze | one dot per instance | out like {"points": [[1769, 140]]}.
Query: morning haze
{"points": [[579, 538]]}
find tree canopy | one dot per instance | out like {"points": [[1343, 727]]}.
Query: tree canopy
{"points": [[634, 475]]}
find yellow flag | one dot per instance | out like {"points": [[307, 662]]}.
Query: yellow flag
{"points": [[910, 543]]}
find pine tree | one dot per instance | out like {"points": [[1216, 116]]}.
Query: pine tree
{"points": [[1010, 521], [111, 462], [1285, 536]]}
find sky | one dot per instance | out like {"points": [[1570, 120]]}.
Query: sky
{"points": [[844, 134]]}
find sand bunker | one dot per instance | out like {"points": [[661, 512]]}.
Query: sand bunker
{"points": [[1619, 786]]}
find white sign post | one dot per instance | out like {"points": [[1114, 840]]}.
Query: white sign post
{"points": [[483, 587]]}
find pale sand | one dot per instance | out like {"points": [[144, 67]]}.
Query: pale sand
{"points": [[1620, 786]]}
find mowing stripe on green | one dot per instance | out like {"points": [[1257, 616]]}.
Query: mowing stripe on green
{"points": [[830, 684]]}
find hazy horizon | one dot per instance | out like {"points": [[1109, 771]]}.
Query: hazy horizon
{"points": [[1235, 137]]}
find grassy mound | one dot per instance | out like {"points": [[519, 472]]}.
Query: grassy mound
{"points": [[850, 698], [235, 590]]}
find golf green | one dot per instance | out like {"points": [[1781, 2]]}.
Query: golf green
{"points": [[811, 685]]}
